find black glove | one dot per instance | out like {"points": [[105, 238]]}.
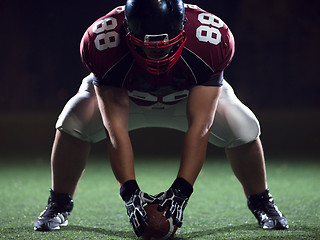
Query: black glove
{"points": [[176, 199], [135, 200]]}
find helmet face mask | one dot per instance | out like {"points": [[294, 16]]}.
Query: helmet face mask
{"points": [[155, 32], [157, 65], [154, 39]]}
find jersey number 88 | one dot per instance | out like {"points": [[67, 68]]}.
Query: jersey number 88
{"points": [[108, 38], [206, 33]]}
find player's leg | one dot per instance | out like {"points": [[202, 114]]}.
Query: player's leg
{"points": [[236, 128], [247, 162], [68, 160], [78, 125]]}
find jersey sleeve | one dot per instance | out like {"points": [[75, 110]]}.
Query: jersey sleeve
{"points": [[227, 51], [209, 38], [85, 52], [104, 44]]}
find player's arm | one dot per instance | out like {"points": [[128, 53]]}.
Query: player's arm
{"points": [[201, 108], [114, 107]]}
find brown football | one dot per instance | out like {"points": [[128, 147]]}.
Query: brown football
{"points": [[158, 226]]}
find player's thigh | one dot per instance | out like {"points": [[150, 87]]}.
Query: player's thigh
{"points": [[81, 117], [234, 123]]}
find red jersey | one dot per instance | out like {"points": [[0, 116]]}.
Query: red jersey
{"points": [[208, 50]]}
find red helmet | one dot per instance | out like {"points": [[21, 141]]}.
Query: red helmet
{"points": [[155, 26]]}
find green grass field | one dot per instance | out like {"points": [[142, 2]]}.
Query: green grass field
{"points": [[216, 210]]}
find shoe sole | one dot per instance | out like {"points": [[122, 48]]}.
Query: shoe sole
{"points": [[46, 229]]}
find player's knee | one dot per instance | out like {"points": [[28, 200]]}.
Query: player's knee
{"points": [[70, 124], [90, 131], [235, 128], [253, 130], [248, 132]]}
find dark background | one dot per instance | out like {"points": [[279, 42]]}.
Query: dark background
{"points": [[274, 71]]}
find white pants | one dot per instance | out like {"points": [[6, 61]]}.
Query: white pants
{"points": [[234, 124]]}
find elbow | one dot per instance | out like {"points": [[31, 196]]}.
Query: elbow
{"points": [[115, 134], [202, 129]]}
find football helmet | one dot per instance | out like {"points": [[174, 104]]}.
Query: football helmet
{"points": [[155, 32]]}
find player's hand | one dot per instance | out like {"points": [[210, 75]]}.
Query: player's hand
{"points": [[175, 200], [135, 210]]}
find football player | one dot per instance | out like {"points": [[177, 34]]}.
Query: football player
{"points": [[157, 63]]}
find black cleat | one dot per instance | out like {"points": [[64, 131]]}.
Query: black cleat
{"points": [[56, 213], [266, 212]]}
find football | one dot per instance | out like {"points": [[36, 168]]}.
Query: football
{"points": [[158, 226]]}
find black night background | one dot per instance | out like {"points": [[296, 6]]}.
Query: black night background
{"points": [[275, 70]]}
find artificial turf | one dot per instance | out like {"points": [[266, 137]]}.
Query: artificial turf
{"points": [[216, 210]]}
